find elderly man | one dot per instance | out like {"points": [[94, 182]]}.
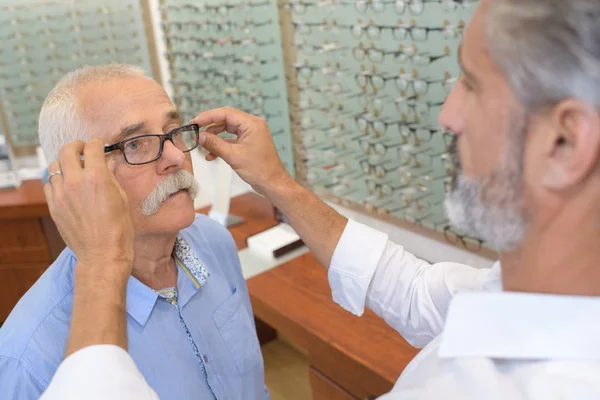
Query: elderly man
{"points": [[189, 320]]}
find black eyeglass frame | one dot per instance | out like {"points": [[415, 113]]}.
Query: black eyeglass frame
{"points": [[166, 136]]}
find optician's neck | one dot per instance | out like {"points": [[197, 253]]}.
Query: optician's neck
{"points": [[559, 256], [154, 264]]}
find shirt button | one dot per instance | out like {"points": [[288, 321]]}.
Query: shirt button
{"points": [[205, 359]]}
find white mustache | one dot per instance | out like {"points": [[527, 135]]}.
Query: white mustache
{"points": [[170, 184]]}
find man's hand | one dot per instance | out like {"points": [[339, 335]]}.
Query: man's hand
{"points": [[89, 206], [92, 214], [253, 155]]}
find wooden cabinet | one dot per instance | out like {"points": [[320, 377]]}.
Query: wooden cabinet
{"points": [[29, 242], [324, 388]]}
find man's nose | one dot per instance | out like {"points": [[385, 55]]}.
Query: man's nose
{"points": [[450, 118], [171, 156]]}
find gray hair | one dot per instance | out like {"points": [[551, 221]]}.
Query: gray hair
{"points": [[180, 179], [549, 49], [60, 120]]}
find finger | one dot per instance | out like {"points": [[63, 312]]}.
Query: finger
{"points": [[216, 146], [210, 157], [55, 180], [49, 196], [230, 117], [70, 158], [94, 155]]}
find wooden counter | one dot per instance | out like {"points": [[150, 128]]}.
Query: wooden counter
{"points": [[29, 241]]}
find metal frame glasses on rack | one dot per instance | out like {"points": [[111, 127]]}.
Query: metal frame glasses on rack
{"points": [[376, 127], [468, 242]]}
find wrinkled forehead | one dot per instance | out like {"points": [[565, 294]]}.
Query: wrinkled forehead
{"points": [[109, 105]]}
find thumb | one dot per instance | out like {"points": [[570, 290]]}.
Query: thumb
{"points": [[216, 145]]}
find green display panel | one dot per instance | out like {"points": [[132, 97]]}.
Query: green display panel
{"points": [[40, 41], [229, 53], [371, 77]]}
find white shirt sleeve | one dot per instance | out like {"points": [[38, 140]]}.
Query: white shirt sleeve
{"points": [[410, 294], [98, 372]]}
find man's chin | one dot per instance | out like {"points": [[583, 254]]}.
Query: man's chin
{"points": [[502, 226], [175, 213]]}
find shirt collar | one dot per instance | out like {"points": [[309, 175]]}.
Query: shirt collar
{"points": [[140, 300], [510, 325], [192, 274]]}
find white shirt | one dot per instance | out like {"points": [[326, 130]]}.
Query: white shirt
{"points": [[484, 344], [487, 345], [99, 372]]}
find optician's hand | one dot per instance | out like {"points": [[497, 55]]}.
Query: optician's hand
{"points": [[253, 155], [89, 206]]}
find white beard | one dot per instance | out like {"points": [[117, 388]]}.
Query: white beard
{"points": [[491, 208]]}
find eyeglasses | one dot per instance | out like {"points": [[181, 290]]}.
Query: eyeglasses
{"points": [[371, 30], [375, 5], [325, 47], [416, 7], [406, 54], [373, 54], [223, 9], [419, 159], [419, 135], [420, 109], [377, 82], [376, 126], [145, 149], [453, 5], [411, 197], [381, 169], [469, 242], [306, 70], [373, 105], [379, 149], [331, 27], [407, 82], [381, 190]]}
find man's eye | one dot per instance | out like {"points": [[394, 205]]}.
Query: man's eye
{"points": [[133, 145]]}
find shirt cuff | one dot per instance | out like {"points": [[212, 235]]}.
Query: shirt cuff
{"points": [[353, 265], [98, 372]]}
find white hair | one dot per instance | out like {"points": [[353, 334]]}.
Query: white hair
{"points": [[180, 179], [60, 120], [549, 50]]}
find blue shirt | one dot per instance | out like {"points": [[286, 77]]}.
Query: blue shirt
{"points": [[203, 348]]}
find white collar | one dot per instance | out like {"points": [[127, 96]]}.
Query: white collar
{"points": [[511, 325]]}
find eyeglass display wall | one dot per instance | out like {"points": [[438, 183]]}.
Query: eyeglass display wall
{"points": [[43, 40], [229, 53], [350, 88], [369, 80]]}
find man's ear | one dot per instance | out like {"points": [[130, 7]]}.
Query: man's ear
{"points": [[572, 146]]}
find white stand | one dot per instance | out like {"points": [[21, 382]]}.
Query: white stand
{"points": [[222, 197], [9, 178]]}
